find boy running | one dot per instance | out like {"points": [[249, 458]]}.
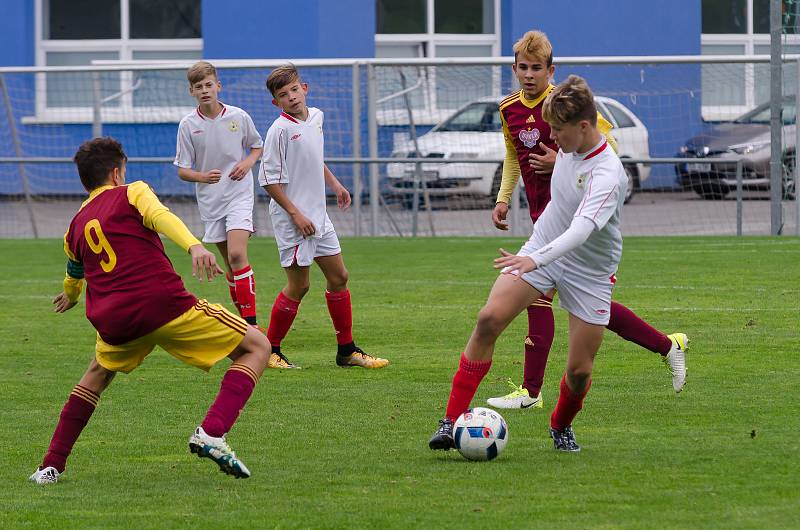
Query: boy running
{"points": [[294, 174], [218, 145], [575, 247], [531, 153], [136, 301]]}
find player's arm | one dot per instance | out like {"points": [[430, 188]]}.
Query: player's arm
{"points": [[185, 157], [342, 195], [303, 223], [158, 218], [253, 140], [73, 282], [605, 127], [511, 174]]}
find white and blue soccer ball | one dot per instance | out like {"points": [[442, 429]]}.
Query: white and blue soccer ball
{"points": [[480, 434]]}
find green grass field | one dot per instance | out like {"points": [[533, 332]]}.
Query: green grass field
{"points": [[334, 448]]}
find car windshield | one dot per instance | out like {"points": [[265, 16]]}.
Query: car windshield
{"points": [[477, 117], [761, 114]]}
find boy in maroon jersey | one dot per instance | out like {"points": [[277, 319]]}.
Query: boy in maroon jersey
{"points": [[136, 301], [531, 152]]}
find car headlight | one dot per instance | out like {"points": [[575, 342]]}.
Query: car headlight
{"points": [[463, 155], [746, 149]]}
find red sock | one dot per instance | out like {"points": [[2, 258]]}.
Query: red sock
{"points": [[568, 405], [465, 382], [74, 416], [630, 327], [232, 290], [541, 328], [341, 314], [283, 312], [235, 389], [246, 293]]}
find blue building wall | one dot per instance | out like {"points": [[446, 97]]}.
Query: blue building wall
{"points": [[327, 29], [665, 98]]}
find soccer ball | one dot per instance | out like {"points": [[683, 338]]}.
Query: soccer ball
{"points": [[480, 434]]}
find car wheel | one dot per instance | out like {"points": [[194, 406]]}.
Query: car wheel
{"points": [[789, 187], [633, 182], [711, 191]]}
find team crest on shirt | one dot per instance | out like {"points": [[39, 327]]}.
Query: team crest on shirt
{"points": [[529, 137], [233, 126], [580, 181], [319, 128]]}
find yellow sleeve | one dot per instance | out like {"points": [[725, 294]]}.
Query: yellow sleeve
{"points": [[511, 169], [73, 279], [605, 127], [73, 287], [157, 217]]}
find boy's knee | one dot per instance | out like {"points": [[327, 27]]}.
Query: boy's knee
{"points": [[237, 258], [489, 323]]}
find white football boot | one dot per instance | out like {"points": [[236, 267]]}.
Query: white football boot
{"points": [[675, 360], [518, 398], [48, 475], [219, 451]]}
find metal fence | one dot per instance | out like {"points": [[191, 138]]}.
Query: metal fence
{"points": [[388, 139]]}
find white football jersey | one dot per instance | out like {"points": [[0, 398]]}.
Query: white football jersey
{"points": [[293, 157], [590, 185], [218, 143]]}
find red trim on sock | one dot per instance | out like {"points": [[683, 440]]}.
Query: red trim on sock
{"points": [[245, 285]]}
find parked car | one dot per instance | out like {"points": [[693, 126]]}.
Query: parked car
{"points": [[475, 132], [747, 138]]}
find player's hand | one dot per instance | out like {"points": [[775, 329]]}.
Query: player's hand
{"points": [[211, 177], [499, 216], [514, 264], [343, 198], [240, 170], [304, 224], [204, 263], [63, 303], [543, 163]]}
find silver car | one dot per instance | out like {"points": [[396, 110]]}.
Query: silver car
{"points": [[475, 132], [747, 138]]}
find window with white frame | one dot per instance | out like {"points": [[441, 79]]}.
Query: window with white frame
{"points": [[741, 27], [438, 29], [117, 30]]}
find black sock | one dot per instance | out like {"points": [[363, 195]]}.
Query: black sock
{"points": [[251, 320], [276, 349], [344, 350]]}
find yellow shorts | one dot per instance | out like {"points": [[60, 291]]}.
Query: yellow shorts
{"points": [[201, 336]]}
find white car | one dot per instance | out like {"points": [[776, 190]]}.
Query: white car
{"points": [[475, 132]]}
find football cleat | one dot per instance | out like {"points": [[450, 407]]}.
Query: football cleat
{"points": [[564, 440], [443, 437], [205, 446], [359, 358], [48, 475], [675, 360], [518, 398], [279, 360]]}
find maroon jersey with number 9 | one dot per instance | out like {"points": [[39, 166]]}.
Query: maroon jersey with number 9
{"points": [[132, 288]]}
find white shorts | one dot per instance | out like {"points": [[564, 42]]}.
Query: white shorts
{"points": [[303, 254], [587, 296], [240, 218]]}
